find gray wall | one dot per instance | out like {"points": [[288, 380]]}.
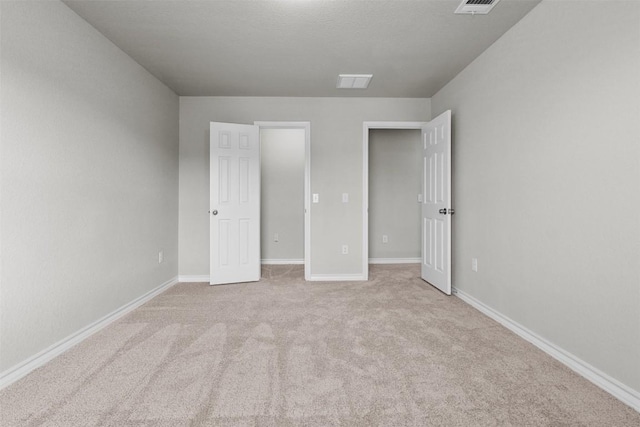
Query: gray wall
{"points": [[282, 193], [336, 168], [546, 157], [89, 173], [395, 170]]}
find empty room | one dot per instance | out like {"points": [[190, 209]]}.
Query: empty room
{"points": [[319, 213]]}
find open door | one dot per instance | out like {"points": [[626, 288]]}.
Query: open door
{"points": [[234, 203], [436, 206]]}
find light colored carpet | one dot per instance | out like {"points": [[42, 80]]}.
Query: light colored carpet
{"points": [[281, 352]]}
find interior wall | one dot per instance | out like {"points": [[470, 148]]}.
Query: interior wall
{"points": [[282, 160], [546, 180], [395, 171], [89, 175], [336, 168]]}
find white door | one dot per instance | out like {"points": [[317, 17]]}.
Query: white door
{"points": [[234, 203], [436, 206]]}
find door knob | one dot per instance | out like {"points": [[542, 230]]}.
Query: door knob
{"points": [[215, 212], [442, 211]]}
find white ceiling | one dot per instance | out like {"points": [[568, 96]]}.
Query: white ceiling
{"points": [[298, 47]]}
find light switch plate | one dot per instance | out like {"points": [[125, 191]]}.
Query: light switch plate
{"points": [[345, 197], [316, 197]]}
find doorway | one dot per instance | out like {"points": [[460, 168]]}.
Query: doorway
{"points": [[435, 198], [367, 128], [284, 193], [395, 196]]}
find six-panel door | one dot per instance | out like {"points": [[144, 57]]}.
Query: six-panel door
{"points": [[436, 212], [234, 203]]}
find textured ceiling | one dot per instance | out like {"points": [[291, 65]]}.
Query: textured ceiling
{"points": [[298, 47]]}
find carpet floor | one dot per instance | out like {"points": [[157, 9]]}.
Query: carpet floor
{"points": [[392, 351]]}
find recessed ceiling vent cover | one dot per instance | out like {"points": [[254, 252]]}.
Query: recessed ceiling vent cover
{"points": [[476, 7], [354, 81]]}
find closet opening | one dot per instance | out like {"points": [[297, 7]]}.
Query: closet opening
{"points": [[284, 191], [392, 181]]}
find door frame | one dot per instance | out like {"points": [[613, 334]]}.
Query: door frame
{"points": [[307, 181], [366, 127]]}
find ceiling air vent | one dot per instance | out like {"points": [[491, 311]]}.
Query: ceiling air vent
{"points": [[476, 7], [353, 81]]}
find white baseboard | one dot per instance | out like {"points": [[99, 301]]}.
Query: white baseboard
{"points": [[395, 260], [336, 277], [282, 261], [612, 386], [18, 371], [311, 278], [190, 278], [194, 279]]}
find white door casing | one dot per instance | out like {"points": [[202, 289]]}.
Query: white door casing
{"points": [[307, 183], [234, 203], [436, 206], [366, 127]]}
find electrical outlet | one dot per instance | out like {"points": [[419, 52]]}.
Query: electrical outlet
{"points": [[345, 249], [385, 238], [160, 257], [474, 264], [316, 197], [276, 237]]}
